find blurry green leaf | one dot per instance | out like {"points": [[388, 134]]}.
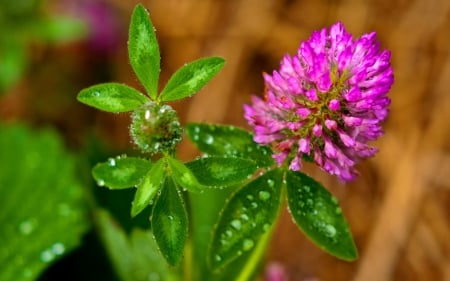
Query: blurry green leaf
{"points": [[191, 77], [183, 176], [148, 187], [319, 216], [112, 97], [135, 258], [221, 171], [223, 140], [170, 222], [247, 215], [121, 172], [59, 29], [42, 208], [143, 50], [13, 61]]}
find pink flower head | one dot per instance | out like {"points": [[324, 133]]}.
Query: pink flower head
{"points": [[326, 102]]}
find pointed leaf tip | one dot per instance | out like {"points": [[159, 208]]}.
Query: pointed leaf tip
{"points": [[143, 50]]}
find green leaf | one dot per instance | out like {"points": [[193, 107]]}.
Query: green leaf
{"points": [[170, 222], [135, 257], [226, 141], [143, 50], [148, 187], [191, 77], [112, 97], [43, 214], [121, 172], [319, 216], [221, 171], [249, 213], [183, 176]]}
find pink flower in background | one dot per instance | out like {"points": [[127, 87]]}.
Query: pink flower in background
{"points": [[326, 102]]}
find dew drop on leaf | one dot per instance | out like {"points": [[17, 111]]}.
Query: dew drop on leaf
{"points": [[100, 182], [264, 195], [248, 244], [209, 139], [27, 226], [236, 224], [111, 162]]}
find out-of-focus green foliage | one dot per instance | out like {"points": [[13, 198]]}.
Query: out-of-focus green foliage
{"points": [[23, 22], [42, 210]]}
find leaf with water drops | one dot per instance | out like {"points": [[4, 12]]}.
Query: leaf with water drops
{"points": [[43, 213], [222, 171], [319, 216], [121, 172], [191, 77], [247, 215], [148, 187], [221, 140], [170, 222], [143, 50], [112, 97], [183, 176]]}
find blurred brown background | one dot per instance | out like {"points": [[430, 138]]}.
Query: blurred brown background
{"points": [[398, 208]]}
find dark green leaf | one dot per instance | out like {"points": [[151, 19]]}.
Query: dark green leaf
{"points": [[112, 97], [148, 187], [183, 176], [221, 171], [135, 257], [170, 222], [143, 50], [225, 141], [249, 213], [43, 213], [319, 216], [121, 172], [191, 77]]}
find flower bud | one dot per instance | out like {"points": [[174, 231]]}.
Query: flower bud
{"points": [[155, 128]]}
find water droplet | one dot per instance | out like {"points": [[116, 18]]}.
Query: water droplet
{"points": [[266, 227], [248, 244], [329, 230], [236, 224], [250, 197], [170, 218], [314, 212], [47, 256], [309, 202], [96, 94], [229, 233], [112, 162], [100, 182], [196, 129], [147, 114], [27, 226], [264, 195], [338, 211], [218, 258], [58, 249], [244, 217], [270, 182], [254, 205], [306, 188], [209, 139]]}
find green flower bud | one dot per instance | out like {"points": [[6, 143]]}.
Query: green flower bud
{"points": [[155, 128]]}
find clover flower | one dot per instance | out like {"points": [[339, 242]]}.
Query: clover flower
{"points": [[325, 103]]}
